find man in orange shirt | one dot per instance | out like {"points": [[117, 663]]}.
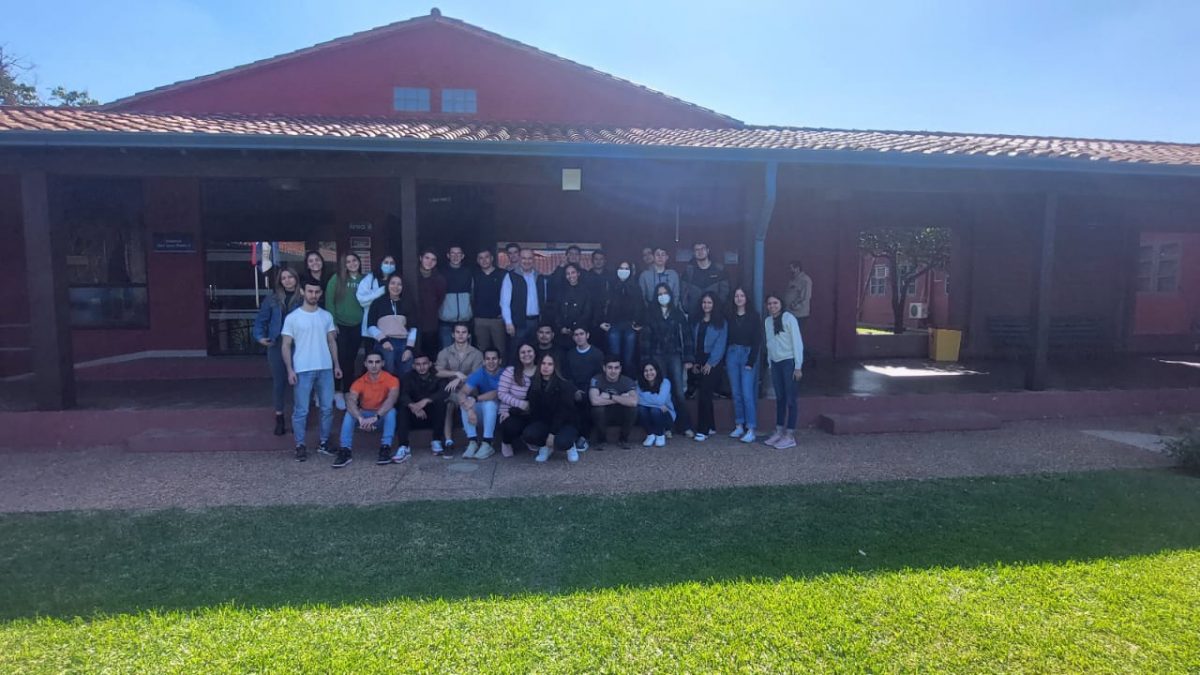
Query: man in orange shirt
{"points": [[372, 397]]}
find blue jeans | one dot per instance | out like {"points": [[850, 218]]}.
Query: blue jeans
{"points": [[672, 366], [279, 380], [743, 383], [653, 420], [306, 383], [785, 393], [621, 340], [485, 411], [349, 424], [393, 359]]}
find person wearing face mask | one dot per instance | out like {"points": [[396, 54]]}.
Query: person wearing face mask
{"points": [[371, 288], [657, 274], [667, 339], [621, 312]]}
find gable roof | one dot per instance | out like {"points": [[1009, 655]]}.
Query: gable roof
{"points": [[76, 127], [434, 17]]}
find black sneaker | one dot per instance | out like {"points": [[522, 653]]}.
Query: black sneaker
{"points": [[323, 448], [385, 455], [301, 453], [343, 458], [279, 425], [623, 444], [599, 442]]}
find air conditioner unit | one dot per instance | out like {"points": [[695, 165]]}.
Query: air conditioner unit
{"points": [[918, 310]]}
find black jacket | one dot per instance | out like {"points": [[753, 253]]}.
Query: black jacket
{"points": [[623, 302], [552, 403], [382, 306], [520, 294], [416, 388], [485, 296], [695, 282], [667, 336], [573, 309]]}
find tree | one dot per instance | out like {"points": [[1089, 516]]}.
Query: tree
{"points": [[15, 90], [919, 250]]}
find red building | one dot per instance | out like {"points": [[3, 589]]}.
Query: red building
{"points": [[129, 225]]}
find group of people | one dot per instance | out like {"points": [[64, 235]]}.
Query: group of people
{"points": [[438, 353]]}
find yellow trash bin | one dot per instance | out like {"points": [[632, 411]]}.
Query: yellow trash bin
{"points": [[944, 344]]}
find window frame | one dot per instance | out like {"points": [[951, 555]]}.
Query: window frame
{"points": [[419, 95], [1150, 261], [454, 100]]}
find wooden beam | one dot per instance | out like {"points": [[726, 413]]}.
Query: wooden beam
{"points": [[49, 302], [408, 234], [1035, 376]]}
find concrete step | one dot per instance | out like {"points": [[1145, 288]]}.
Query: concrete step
{"points": [[915, 421]]}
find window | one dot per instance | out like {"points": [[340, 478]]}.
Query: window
{"points": [[415, 99], [458, 100], [1158, 267], [878, 285], [904, 270], [106, 254]]}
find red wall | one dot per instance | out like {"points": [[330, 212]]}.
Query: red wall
{"points": [[1172, 313], [358, 79], [876, 310], [13, 307]]}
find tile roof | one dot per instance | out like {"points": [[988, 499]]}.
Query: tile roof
{"points": [[45, 123], [434, 17]]}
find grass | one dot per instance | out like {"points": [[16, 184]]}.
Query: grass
{"points": [[1091, 572]]}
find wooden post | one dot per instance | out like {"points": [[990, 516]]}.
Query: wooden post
{"points": [[49, 302], [409, 253], [1035, 376]]}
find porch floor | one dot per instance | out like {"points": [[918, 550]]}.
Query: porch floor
{"points": [[242, 382]]}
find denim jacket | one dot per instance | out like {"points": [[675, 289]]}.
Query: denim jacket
{"points": [[715, 340], [653, 400], [269, 321]]}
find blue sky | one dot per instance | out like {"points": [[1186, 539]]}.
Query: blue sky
{"points": [[1091, 68]]}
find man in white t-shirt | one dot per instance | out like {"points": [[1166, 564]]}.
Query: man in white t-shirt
{"points": [[310, 355]]}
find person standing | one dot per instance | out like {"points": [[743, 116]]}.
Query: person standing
{"points": [[658, 274], [389, 325], [798, 296], [523, 300], [342, 291], [267, 327], [512, 393], [431, 291], [667, 339], [314, 270], [702, 276], [558, 279], [573, 306], [512, 253], [310, 355], [711, 335], [621, 315], [785, 353], [553, 420], [614, 400], [742, 356], [457, 305], [480, 406], [371, 288], [372, 398], [656, 409], [581, 363], [647, 258], [486, 281]]}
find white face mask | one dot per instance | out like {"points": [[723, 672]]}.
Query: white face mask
{"points": [[387, 269], [664, 299], [622, 274]]}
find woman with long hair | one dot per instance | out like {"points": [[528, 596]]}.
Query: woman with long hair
{"points": [[268, 325], [314, 272], [655, 409], [710, 334], [389, 323], [553, 423], [342, 299], [372, 287], [513, 396], [785, 352], [668, 340], [621, 315], [741, 361], [572, 306]]}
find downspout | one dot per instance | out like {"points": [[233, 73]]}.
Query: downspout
{"points": [[770, 178]]}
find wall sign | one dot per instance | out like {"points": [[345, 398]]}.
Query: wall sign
{"points": [[358, 243], [172, 242]]}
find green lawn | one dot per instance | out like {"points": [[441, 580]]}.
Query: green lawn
{"points": [[1092, 572]]}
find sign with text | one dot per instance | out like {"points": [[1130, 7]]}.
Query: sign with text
{"points": [[170, 242]]}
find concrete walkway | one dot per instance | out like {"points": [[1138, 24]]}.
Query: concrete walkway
{"points": [[106, 478]]}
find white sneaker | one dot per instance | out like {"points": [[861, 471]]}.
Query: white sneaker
{"points": [[339, 400], [689, 433], [750, 437], [472, 448], [700, 437], [738, 432], [649, 440], [543, 455], [660, 441], [402, 455], [485, 450], [437, 448], [668, 434], [788, 441], [572, 455]]}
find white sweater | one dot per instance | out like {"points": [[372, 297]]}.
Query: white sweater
{"points": [[787, 344]]}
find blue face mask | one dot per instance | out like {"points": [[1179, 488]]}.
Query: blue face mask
{"points": [[664, 299], [387, 269]]}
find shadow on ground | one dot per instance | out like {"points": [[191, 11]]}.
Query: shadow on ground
{"points": [[80, 564]]}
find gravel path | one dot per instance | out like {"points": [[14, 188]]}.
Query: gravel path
{"points": [[104, 478]]}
